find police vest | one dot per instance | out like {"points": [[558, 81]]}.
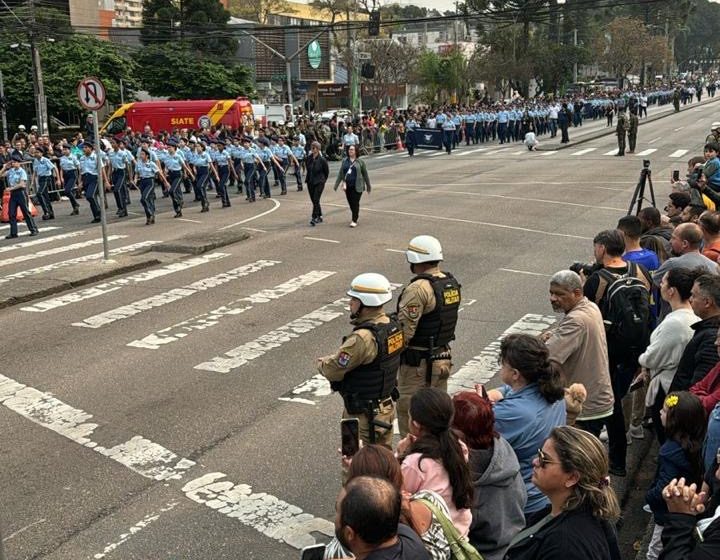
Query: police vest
{"points": [[440, 323], [376, 380]]}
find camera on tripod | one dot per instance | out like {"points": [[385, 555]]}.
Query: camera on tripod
{"points": [[639, 194]]}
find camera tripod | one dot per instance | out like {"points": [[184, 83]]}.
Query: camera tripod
{"points": [[639, 194]]}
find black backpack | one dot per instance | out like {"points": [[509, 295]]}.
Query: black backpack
{"points": [[626, 312]]}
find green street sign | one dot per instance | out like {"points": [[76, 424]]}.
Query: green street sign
{"points": [[314, 54]]}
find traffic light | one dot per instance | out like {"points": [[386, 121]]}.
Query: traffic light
{"points": [[374, 23], [367, 71]]}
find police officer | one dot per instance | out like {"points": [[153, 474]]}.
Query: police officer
{"points": [[284, 156], [225, 169], [89, 177], [43, 172], [448, 128], [364, 369], [428, 312], [298, 153], [17, 181], [251, 161], [145, 172], [69, 166], [175, 164], [120, 159]]}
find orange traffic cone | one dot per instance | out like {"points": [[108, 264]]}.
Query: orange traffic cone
{"points": [[399, 144], [5, 216]]}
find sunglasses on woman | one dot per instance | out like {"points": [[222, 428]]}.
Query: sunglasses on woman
{"points": [[543, 459]]}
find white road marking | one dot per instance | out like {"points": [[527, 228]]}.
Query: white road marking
{"points": [[436, 154], [189, 220], [519, 152], [202, 322], [385, 156], [44, 228], [138, 454], [57, 250], [41, 241], [549, 153], [23, 529], [241, 355], [139, 526], [583, 152], [113, 285], [266, 514], [477, 150], [463, 221], [276, 205], [321, 239], [611, 152], [255, 229], [262, 512], [483, 367], [175, 294], [466, 304], [679, 128], [507, 197], [678, 153], [654, 140], [524, 272], [646, 152], [77, 260]]}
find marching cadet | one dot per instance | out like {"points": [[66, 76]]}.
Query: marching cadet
{"points": [[410, 127], [632, 131], [284, 156], [469, 127], [89, 178], [175, 164], [298, 152], [120, 160], [203, 167], [448, 128], [364, 369], [621, 130], [69, 166], [145, 172], [187, 153], [224, 169], [43, 171], [235, 150], [251, 161], [428, 312], [17, 182]]}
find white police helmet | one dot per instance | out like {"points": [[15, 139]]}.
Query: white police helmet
{"points": [[424, 248], [21, 127], [33, 127], [371, 289], [715, 126]]}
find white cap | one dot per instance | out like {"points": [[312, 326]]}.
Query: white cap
{"points": [[715, 126], [371, 289], [424, 248], [21, 127], [34, 127]]}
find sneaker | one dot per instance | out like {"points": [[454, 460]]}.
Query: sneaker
{"points": [[646, 508], [318, 220], [312, 222], [636, 432], [353, 224], [604, 435]]}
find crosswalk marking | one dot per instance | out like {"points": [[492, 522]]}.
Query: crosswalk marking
{"points": [[202, 322], [483, 367], [583, 152], [549, 153], [243, 354], [42, 240], [387, 156], [114, 285], [175, 294], [611, 152], [260, 511], [678, 153], [646, 152], [57, 250], [77, 260], [436, 154]]}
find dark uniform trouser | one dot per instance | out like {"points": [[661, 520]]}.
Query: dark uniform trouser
{"points": [[621, 143], [249, 172], [201, 180], [224, 173], [282, 174], [175, 179], [18, 199], [147, 195], [118, 183], [69, 178], [386, 413], [411, 379], [315, 191], [238, 167], [43, 196], [90, 182], [263, 182], [298, 174], [632, 139]]}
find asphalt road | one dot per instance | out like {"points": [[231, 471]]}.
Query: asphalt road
{"points": [[173, 413]]}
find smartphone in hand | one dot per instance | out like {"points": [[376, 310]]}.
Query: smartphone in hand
{"points": [[676, 175], [350, 436], [313, 552]]}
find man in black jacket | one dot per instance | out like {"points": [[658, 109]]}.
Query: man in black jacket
{"points": [[678, 536], [317, 174], [700, 354]]}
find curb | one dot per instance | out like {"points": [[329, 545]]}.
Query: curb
{"points": [[199, 243], [611, 132], [60, 285]]}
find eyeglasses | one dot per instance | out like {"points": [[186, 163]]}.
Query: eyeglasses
{"points": [[543, 459]]}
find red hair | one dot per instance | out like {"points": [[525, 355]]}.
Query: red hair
{"points": [[474, 417]]}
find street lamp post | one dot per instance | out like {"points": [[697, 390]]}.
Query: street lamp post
{"points": [[38, 84]]}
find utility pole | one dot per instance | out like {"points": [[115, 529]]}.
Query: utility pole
{"points": [[3, 113], [37, 73], [122, 93], [575, 64]]}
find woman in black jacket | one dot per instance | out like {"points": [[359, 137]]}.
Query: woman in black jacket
{"points": [[571, 469], [317, 174]]}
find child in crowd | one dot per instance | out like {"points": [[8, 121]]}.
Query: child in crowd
{"points": [[683, 418]]}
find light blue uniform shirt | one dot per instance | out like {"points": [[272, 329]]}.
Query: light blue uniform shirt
{"points": [[173, 162], [119, 159], [69, 163], [298, 152], [283, 152], [146, 169], [14, 176], [88, 164], [43, 167], [502, 117], [202, 159], [440, 118], [221, 157]]}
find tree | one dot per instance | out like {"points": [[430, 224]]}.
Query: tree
{"points": [[159, 18], [393, 61], [259, 10], [183, 73]]}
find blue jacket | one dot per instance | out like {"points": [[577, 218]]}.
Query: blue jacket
{"points": [[525, 419], [672, 463]]}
